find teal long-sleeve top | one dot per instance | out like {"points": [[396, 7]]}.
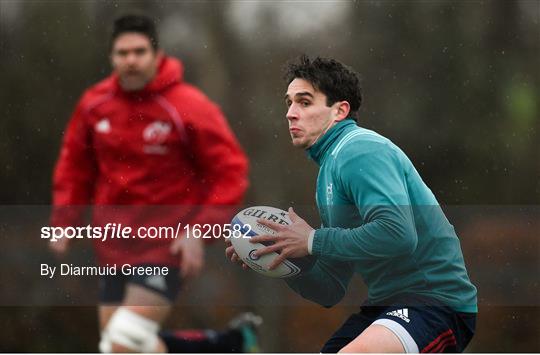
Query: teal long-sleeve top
{"points": [[380, 220]]}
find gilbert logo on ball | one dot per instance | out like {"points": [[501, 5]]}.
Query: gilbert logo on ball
{"points": [[247, 221]]}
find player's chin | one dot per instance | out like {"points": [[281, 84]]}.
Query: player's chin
{"points": [[132, 83], [299, 142]]}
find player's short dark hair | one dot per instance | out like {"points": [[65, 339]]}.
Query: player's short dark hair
{"points": [[334, 79], [136, 23]]}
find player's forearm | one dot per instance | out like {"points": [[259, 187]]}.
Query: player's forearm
{"points": [[224, 172], [227, 188], [324, 284], [377, 239], [221, 197], [76, 170]]}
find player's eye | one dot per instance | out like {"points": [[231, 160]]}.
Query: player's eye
{"points": [[140, 51], [304, 103], [288, 103]]}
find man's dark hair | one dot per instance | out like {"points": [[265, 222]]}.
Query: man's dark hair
{"points": [[136, 23], [337, 81]]}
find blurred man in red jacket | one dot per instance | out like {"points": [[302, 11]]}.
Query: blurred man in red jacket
{"points": [[142, 137]]}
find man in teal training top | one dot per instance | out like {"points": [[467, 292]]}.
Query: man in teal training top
{"points": [[379, 219]]}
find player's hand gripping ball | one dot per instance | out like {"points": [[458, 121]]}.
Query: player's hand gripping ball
{"points": [[247, 221]]}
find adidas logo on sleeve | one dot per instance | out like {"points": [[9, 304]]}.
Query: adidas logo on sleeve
{"points": [[400, 313]]}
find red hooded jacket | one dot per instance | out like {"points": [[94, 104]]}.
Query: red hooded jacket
{"points": [[166, 145]]}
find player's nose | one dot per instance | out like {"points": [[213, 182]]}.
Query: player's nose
{"points": [[292, 113], [131, 59]]}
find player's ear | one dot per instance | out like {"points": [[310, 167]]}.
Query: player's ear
{"points": [[343, 108]]}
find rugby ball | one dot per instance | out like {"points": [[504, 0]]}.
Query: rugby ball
{"points": [[246, 222]]}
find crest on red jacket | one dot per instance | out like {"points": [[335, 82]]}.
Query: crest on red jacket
{"points": [[156, 132]]}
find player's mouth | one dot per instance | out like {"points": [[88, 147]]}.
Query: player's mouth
{"points": [[294, 129], [132, 74]]}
